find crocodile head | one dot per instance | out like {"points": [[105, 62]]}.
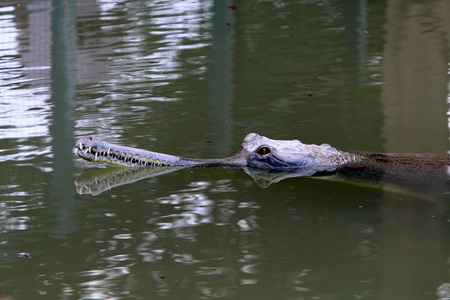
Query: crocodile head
{"points": [[265, 153], [256, 152]]}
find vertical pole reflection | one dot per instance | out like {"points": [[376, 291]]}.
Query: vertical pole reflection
{"points": [[220, 76], [63, 51], [355, 35], [414, 103]]}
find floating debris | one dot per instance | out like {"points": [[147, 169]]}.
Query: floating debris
{"points": [[24, 254]]}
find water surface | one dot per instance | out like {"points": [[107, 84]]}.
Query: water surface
{"points": [[192, 78]]}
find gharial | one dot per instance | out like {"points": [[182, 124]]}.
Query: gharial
{"points": [[259, 152]]}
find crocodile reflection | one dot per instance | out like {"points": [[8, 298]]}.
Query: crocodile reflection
{"points": [[97, 181]]}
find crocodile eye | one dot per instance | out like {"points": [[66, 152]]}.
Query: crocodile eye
{"points": [[263, 151]]}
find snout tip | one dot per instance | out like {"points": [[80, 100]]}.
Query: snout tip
{"points": [[79, 145]]}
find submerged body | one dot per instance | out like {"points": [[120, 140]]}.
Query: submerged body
{"points": [[259, 152]]}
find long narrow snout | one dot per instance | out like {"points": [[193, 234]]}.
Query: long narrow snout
{"points": [[94, 149]]}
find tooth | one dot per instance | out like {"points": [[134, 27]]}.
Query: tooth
{"points": [[80, 146], [107, 152], [95, 157], [89, 150]]}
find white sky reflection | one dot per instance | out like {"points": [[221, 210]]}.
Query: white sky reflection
{"points": [[24, 108]]}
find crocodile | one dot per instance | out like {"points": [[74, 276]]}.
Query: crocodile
{"points": [[256, 152], [259, 152], [268, 161]]}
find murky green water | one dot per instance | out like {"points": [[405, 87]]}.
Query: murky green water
{"points": [[192, 78]]}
